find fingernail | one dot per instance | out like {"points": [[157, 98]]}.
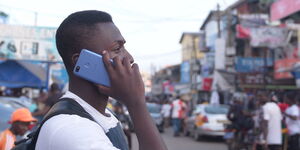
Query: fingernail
{"points": [[104, 52]]}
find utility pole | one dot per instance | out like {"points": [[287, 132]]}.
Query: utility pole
{"points": [[219, 20], [35, 18]]}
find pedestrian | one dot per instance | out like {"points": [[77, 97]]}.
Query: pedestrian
{"points": [[52, 97], [271, 126], [166, 111], [125, 121], [178, 109], [94, 30], [292, 121], [20, 121], [257, 131]]}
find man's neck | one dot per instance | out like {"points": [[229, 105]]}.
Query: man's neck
{"points": [[89, 93]]}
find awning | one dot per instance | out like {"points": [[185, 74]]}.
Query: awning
{"points": [[17, 74]]}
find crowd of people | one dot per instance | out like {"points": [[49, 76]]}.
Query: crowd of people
{"points": [[265, 121]]}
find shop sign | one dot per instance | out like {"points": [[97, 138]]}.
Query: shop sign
{"points": [[207, 84], [283, 68], [185, 72], [255, 79], [28, 42], [271, 37], [284, 8], [249, 64]]}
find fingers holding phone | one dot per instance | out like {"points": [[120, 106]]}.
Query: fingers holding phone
{"points": [[126, 82]]}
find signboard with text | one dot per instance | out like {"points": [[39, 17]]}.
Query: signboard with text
{"points": [[28, 42], [281, 68], [283, 8], [249, 64], [185, 72], [271, 37]]}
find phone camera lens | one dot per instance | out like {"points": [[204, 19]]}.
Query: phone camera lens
{"points": [[77, 68]]}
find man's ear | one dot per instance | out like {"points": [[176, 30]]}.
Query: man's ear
{"points": [[75, 58]]}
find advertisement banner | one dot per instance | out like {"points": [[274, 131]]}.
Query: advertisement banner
{"points": [[253, 20], [185, 72], [168, 87], [207, 84], [271, 37], [242, 32], [254, 79], [28, 43], [283, 68], [249, 64], [220, 54], [283, 8]]}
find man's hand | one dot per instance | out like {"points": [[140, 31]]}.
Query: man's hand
{"points": [[126, 82], [127, 87]]}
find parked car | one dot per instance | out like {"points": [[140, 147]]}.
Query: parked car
{"points": [[207, 120], [155, 112]]}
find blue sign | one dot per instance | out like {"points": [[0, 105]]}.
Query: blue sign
{"points": [[250, 64], [185, 72]]}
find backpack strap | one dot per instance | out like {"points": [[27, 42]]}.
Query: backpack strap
{"points": [[63, 106]]}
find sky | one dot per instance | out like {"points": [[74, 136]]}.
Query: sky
{"points": [[152, 28]]}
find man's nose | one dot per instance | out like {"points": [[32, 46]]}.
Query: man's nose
{"points": [[128, 55]]}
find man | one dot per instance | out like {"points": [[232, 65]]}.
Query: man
{"points": [[292, 121], [95, 31], [166, 110], [178, 108], [20, 121], [235, 113], [271, 125], [52, 97]]}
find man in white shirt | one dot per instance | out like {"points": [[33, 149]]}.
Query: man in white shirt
{"points": [[94, 30], [271, 126], [178, 113], [292, 121], [166, 111]]}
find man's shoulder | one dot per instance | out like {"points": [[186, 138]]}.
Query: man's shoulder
{"points": [[67, 121], [65, 130]]}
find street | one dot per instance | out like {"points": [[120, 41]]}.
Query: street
{"points": [[186, 143]]}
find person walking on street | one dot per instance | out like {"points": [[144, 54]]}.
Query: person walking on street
{"points": [[292, 121], [271, 126], [178, 113], [94, 30], [166, 111], [20, 122]]}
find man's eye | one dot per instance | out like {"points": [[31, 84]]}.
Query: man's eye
{"points": [[117, 50]]}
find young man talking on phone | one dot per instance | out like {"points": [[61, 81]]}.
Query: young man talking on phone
{"points": [[95, 31]]}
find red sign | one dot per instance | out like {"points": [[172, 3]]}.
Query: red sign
{"points": [[283, 67], [284, 8], [207, 84], [242, 32]]}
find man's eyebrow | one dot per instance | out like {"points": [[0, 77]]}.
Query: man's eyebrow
{"points": [[120, 41]]}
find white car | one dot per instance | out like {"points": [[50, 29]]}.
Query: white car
{"points": [[207, 120]]}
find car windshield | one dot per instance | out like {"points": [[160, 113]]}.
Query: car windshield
{"points": [[153, 108], [216, 109]]}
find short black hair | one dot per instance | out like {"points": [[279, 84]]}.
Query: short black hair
{"points": [[74, 30]]}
